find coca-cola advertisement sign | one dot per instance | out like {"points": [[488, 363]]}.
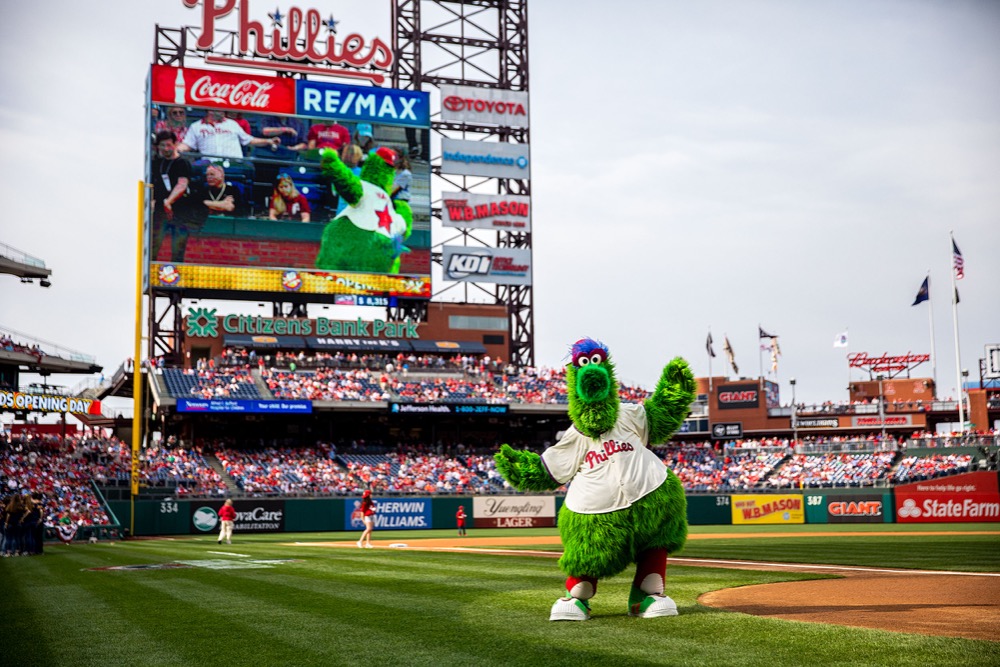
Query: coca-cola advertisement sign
{"points": [[514, 511], [222, 90], [958, 498]]}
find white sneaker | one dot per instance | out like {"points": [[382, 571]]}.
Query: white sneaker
{"points": [[360, 546], [653, 606], [570, 609], [368, 546]]}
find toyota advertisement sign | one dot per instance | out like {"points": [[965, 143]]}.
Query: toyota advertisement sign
{"points": [[486, 106], [958, 498], [504, 266]]}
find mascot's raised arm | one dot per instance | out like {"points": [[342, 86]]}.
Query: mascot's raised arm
{"points": [[623, 506]]}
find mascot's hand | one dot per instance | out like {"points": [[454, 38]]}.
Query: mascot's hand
{"points": [[671, 401], [524, 470], [327, 157]]}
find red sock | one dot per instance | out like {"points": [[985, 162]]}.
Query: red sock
{"points": [[651, 562]]}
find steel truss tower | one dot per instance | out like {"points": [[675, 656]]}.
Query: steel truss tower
{"points": [[480, 43]]}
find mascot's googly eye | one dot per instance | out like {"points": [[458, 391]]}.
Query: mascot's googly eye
{"points": [[596, 358], [582, 361]]}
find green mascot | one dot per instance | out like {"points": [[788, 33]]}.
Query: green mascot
{"points": [[623, 505], [368, 235]]}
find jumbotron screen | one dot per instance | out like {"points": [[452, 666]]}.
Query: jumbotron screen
{"points": [[238, 202]]}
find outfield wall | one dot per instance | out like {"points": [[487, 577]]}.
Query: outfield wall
{"points": [[958, 498]]}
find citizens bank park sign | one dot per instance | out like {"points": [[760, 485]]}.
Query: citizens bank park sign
{"points": [[294, 41]]}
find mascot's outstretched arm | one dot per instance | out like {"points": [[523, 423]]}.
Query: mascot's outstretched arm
{"points": [[670, 403], [345, 183], [524, 470]]}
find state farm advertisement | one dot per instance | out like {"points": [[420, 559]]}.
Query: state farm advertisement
{"points": [[768, 509], [182, 86], [514, 511], [467, 210], [959, 498]]}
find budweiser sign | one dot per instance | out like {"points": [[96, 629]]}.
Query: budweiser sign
{"points": [[297, 35], [222, 90], [886, 363]]}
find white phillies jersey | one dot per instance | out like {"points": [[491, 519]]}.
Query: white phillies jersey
{"points": [[610, 473], [374, 212]]}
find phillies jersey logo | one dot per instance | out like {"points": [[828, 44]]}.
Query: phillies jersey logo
{"points": [[608, 449]]}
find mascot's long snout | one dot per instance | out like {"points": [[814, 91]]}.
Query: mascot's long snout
{"points": [[593, 383]]}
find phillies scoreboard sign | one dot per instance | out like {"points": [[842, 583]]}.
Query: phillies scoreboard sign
{"points": [[958, 498]]}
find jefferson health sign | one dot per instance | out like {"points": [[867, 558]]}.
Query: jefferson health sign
{"points": [[969, 497]]}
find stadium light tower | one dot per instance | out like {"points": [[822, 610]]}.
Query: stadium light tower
{"points": [[795, 424]]}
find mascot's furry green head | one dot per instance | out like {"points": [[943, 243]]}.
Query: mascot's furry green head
{"points": [[591, 388], [368, 234]]}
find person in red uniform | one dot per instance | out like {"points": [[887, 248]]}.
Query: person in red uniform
{"points": [[368, 516], [460, 519], [227, 515]]}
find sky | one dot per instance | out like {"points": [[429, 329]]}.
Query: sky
{"points": [[714, 166]]}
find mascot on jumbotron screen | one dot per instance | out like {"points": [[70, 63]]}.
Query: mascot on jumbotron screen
{"points": [[623, 505], [368, 234]]}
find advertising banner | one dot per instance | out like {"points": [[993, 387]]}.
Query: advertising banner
{"points": [[243, 405], [722, 431], [759, 509], [468, 210], [739, 396], [513, 511], [889, 420], [222, 90], [485, 158], [363, 103], [487, 106], [504, 266], [16, 401], [831, 422], [860, 508], [252, 516], [391, 514], [957, 498], [448, 408]]}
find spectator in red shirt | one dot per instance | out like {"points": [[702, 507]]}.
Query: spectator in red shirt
{"points": [[227, 515], [328, 135], [460, 519]]}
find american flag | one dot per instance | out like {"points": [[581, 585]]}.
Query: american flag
{"points": [[959, 262]]}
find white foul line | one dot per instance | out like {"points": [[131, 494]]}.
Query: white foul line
{"points": [[847, 568]]}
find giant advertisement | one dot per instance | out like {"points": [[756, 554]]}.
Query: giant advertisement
{"points": [[958, 498], [768, 509], [513, 511], [239, 203], [855, 508], [505, 266]]}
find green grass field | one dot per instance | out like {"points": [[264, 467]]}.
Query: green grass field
{"points": [[334, 606]]}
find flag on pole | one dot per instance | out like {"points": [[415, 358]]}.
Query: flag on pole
{"points": [[728, 349], [708, 345], [957, 300], [959, 262], [775, 352], [763, 334], [840, 340], [924, 293]]}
